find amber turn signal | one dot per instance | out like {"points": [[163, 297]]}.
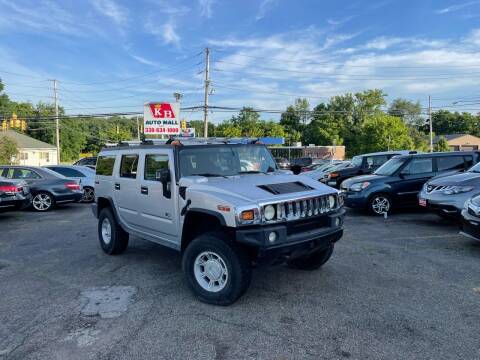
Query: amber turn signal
{"points": [[247, 215]]}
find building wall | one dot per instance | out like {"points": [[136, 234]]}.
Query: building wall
{"points": [[37, 157], [466, 143]]}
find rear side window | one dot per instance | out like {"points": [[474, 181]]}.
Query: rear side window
{"points": [[105, 165], [419, 166], [153, 163], [379, 160], [23, 174], [468, 161], [128, 166], [446, 163]]}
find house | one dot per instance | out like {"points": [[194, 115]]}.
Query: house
{"points": [[31, 151], [460, 142]]}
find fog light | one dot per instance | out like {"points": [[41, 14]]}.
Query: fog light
{"points": [[272, 237], [337, 222]]}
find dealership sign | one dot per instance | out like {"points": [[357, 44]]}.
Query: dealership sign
{"points": [[187, 132], [161, 118]]}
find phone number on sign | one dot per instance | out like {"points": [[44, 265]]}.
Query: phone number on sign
{"points": [[161, 130]]}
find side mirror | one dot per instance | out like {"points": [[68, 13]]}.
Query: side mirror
{"points": [[164, 177], [401, 174]]}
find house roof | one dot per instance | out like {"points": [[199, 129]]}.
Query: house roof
{"points": [[449, 137], [26, 142]]}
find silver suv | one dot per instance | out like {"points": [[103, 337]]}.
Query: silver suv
{"points": [[223, 204]]}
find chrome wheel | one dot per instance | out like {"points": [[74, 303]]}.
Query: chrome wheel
{"points": [[380, 205], [106, 231], [210, 271], [88, 194], [42, 202]]}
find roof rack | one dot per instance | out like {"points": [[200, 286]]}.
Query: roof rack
{"points": [[174, 140]]}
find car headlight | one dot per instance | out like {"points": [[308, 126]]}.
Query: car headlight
{"points": [[458, 190], [332, 201], [269, 212], [359, 186]]}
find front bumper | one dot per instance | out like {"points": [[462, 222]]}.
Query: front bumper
{"points": [[470, 225], [355, 199], [294, 236], [451, 205]]}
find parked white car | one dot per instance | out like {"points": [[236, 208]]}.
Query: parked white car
{"points": [[84, 174], [320, 172]]}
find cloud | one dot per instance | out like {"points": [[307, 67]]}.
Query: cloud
{"points": [[47, 18], [144, 61], [457, 7], [112, 10], [265, 5], [338, 22], [206, 8]]}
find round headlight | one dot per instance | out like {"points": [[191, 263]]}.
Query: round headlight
{"points": [[331, 201], [269, 212]]}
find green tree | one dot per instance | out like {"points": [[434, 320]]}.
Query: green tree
{"points": [[294, 119], [381, 132], [8, 150], [442, 145], [409, 111], [446, 122]]}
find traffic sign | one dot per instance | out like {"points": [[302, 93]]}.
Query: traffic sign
{"points": [[161, 118]]}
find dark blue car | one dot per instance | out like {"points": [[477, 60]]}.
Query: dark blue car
{"points": [[398, 182]]}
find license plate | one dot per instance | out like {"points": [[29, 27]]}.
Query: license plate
{"points": [[25, 190], [422, 202]]}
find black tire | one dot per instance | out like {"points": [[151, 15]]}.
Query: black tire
{"points": [[379, 210], [88, 194], [118, 237], [312, 261], [43, 201], [230, 257]]}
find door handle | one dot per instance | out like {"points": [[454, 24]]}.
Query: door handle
{"points": [[117, 186], [144, 190]]}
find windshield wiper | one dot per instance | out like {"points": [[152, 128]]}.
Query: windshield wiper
{"points": [[252, 172], [209, 175]]}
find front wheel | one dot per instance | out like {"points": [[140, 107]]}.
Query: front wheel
{"points": [[312, 261], [379, 204], [217, 271]]}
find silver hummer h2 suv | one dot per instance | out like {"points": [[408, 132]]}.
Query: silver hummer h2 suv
{"points": [[223, 204]]}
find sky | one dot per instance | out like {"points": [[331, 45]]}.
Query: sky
{"points": [[113, 55]]}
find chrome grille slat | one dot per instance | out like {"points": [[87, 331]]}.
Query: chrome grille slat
{"points": [[301, 208]]}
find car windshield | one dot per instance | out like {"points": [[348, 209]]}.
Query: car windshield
{"points": [[225, 160], [357, 161], [390, 167], [475, 168]]}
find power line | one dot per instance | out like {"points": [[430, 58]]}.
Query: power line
{"points": [[333, 76], [306, 62]]}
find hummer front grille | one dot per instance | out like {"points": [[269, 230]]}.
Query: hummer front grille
{"points": [[302, 208]]}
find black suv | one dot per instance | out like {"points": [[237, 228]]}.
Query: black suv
{"points": [[398, 182], [361, 165]]}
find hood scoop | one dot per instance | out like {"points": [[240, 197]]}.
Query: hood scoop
{"points": [[285, 188]]}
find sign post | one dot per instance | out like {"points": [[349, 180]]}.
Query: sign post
{"points": [[160, 118]]}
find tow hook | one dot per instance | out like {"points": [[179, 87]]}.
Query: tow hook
{"points": [[185, 208]]}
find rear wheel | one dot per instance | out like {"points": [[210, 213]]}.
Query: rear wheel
{"points": [[312, 261], [218, 271], [379, 204], [43, 201], [113, 239], [88, 194]]}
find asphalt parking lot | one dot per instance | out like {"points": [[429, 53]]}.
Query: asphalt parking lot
{"points": [[407, 287]]}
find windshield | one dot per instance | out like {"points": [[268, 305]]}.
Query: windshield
{"points": [[225, 160], [390, 167], [475, 168], [357, 161]]}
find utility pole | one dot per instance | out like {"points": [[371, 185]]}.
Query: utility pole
{"points": [[57, 124], [207, 85], [138, 129], [430, 121]]}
